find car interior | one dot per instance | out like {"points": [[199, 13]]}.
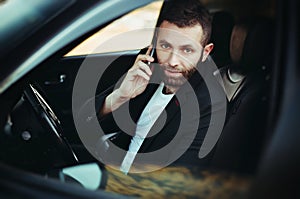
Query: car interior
{"points": [[39, 136], [246, 81]]}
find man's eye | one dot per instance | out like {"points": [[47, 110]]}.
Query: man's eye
{"points": [[165, 46], [188, 50]]}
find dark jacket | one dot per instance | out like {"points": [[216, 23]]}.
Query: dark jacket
{"points": [[178, 133]]}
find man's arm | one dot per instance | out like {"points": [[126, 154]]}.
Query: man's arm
{"points": [[112, 102], [134, 83]]}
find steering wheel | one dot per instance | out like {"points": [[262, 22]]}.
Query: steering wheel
{"points": [[51, 124]]}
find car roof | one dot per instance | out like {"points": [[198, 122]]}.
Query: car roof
{"points": [[29, 16]]}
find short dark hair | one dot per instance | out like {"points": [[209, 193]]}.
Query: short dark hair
{"points": [[187, 13]]}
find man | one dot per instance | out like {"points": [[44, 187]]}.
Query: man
{"points": [[163, 101]]}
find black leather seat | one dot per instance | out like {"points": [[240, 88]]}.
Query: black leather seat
{"points": [[246, 83], [222, 24]]}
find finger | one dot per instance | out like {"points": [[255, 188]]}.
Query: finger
{"points": [[144, 58], [142, 83], [149, 49], [145, 68], [142, 74]]}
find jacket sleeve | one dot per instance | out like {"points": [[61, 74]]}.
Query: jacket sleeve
{"points": [[88, 114]]}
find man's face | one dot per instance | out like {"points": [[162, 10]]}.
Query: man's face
{"points": [[178, 52]]}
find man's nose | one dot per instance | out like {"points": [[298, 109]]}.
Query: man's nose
{"points": [[173, 59]]}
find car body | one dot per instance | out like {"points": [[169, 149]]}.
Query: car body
{"points": [[38, 73]]}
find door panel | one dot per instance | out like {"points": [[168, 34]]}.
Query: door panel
{"points": [[57, 84]]}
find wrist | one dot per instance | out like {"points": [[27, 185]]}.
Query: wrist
{"points": [[113, 101], [119, 97]]}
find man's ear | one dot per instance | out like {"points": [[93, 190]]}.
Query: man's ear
{"points": [[207, 49]]}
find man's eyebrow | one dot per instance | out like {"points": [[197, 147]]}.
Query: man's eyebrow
{"points": [[187, 46], [163, 41]]}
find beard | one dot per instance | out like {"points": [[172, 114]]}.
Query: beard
{"points": [[175, 82]]}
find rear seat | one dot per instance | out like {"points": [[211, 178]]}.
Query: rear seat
{"points": [[246, 83]]}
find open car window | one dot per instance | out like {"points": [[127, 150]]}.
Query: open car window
{"points": [[141, 18]]}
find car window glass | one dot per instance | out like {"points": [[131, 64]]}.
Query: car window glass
{"points": [[140, 18], [27, 18]]}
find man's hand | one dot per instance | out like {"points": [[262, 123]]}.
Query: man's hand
{"points": [[137, 77], [134, 83]]}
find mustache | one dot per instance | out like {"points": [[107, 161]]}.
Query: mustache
{"points": [[185, 73], [171, 69]]}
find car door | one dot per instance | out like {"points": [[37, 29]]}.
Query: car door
{"points": [[102, 47]]}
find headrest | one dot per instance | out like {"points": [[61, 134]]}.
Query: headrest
{"points": [[222, 25], [258, 47], [237, 42], [251, 48]]}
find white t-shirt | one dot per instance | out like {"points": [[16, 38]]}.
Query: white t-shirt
{"points": [[151, 112]]}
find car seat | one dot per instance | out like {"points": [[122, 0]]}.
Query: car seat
{"points": [[246, 83], [222, 24]]}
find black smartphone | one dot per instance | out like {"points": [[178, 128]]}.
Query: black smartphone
{"points": [[152, 53]]}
